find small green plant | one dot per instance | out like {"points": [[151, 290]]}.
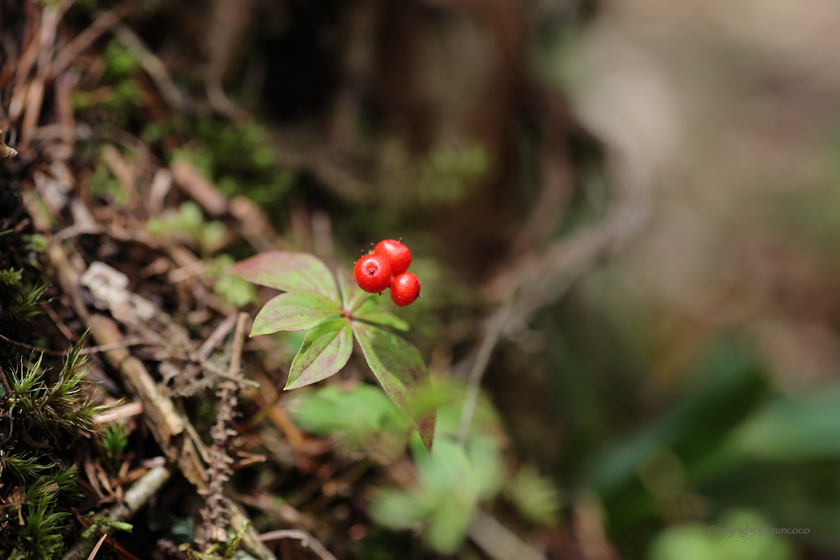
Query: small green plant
{"points": [[53, 411], [535, 497], [39, 414], [10, 277], [115, 440], [452, 480], [41, 534], [36, 242], [98, 521], [359, 417], [333, 314], [189, 225], [25, 306], [450, 173], [220, 551], [103, 185], [233, 289]]}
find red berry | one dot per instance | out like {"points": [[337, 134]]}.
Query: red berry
{"points": [[372, 273], [404, 289], [397, 253]]}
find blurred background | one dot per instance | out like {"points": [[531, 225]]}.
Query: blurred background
{"points": [[633, 204]]}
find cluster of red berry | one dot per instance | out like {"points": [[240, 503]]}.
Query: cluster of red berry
{"points": [[385, 267]]}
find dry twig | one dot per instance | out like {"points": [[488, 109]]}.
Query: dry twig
{"points": [[219, 470], [165, 423], [137, 496], [497, 541], [305, 539], [89, 35]]}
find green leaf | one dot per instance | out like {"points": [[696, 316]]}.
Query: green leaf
{"points": [[290, 272], [445, 497], [397, 365], [358, 414], [792, 429], [325, 351], [372, 312], [294, 312], [352, 295]]}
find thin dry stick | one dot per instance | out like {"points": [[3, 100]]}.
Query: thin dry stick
{"points": [[136, 497], [154, 67], [91, 34], [85, 351], [305, 539], [217, 336], [494, 331], [96, 548], [497, 541]]}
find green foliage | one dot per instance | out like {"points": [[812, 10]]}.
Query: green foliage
{"points": [[38, 411], [119, 60], [36, 242], [743, 540], [450, 173], [23, 466], [10, 277], [371, 312], [115, 440], [65, 481], [289, 272], [444, 499], [98, 521], [103, 185], [313, 301], [122, 97], [791, 429], [294, 311], [25, 306], [227, 550], [324, 351], [535, 497], [399, 368], [57, 410], [239, 159], [233, 289], [452, 480], [41, 535], [357, 416], [189, 226]]}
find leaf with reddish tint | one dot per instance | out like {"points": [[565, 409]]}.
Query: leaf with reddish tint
{"points": [[290, 272], [324, 352], [295, 311], [371, 311], [397, 365], [352, 295]]}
